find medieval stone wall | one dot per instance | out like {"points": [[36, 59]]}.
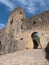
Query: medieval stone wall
{"points": [[17, 34]]}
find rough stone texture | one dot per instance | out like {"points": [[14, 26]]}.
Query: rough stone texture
{"points": [[8, 44], [26, 57], [24, 28], [17, 34], [17, 37]]}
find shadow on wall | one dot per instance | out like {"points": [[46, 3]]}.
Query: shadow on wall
{"points": [[47, 51]]}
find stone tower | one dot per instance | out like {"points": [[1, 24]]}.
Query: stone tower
{"points": [[14, 28], [14, 22]]}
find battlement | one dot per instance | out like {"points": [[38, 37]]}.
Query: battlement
{"points": [[16, 17]]}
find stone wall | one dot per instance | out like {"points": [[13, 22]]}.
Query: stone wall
{"points": [[17, 34]]}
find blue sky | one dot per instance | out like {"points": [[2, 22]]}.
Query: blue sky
{"points": [[31, 7]]}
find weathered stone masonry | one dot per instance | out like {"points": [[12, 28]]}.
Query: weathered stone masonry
{"points": [[18, 34]]}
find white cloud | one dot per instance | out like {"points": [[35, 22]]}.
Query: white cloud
{"points": [[42, 3], [24, 2], [29, 5], [7, 3], [2, 25]]}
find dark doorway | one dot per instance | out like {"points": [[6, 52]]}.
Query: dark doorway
{"points": [[36, 39], [35, 44]]}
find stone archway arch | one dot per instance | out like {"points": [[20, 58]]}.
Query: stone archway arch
{"points": [[36, 39]]}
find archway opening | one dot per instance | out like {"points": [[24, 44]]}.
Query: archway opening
{"points": [[36, 39], [35, 44]]}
